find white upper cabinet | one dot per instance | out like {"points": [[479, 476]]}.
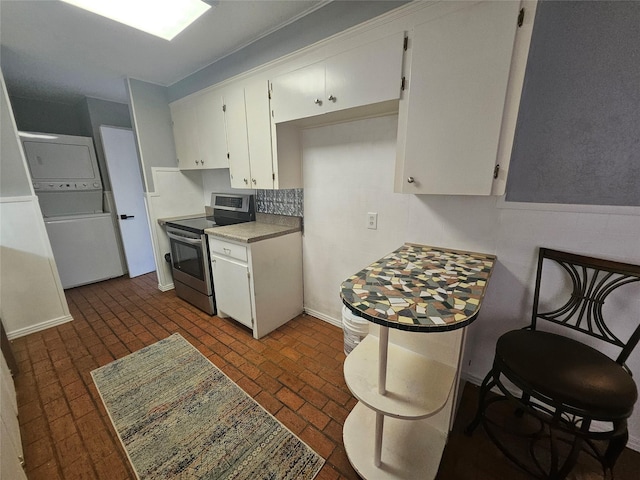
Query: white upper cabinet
{"points": [[199, 132], [255, 158], [299, 94], [450, 124], [256, 96], [211, 130], [237, 144], [185, 134], [365, 75]]}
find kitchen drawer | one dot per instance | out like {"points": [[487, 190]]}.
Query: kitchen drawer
{"points": [[233, 250]]}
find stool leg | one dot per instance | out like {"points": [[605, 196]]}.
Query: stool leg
{"points": [[615, 448], [487, 384]]}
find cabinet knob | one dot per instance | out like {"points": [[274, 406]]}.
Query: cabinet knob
{"points": [[246, 182], [410, 180], [332, 98], [317, 101], [197, 161], [253, 180]]}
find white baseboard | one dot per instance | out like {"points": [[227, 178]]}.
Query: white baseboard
{"points": [[166, 288], [21, 332], [324, 317], [633, 443]]}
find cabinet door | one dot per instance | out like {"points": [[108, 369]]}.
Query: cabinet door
{"points": [[450, 119], [232, 289], [211, 130], [259, 134], [365, 75], [298, 94], [237, 143], [185, 135]]}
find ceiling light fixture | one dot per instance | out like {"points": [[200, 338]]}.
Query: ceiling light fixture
{"points": [[162, 18]]}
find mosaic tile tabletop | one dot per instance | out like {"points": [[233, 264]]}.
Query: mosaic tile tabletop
{"points": [[420, 288]]}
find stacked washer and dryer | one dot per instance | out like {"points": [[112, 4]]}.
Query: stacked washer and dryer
{"points": [[67, 181]]}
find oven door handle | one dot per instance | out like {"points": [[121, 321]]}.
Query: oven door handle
{"points": [[180, 238]]}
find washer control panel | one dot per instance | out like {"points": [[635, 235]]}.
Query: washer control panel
{"points": [[53, 186]]}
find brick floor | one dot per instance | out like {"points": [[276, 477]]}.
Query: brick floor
{"points": [[295, 373]]}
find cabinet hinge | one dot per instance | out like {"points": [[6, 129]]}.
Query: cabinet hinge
{"points": [[269, 94], [496, 170], [521, 17], [405, 45], [224, 108], [403, 83]]}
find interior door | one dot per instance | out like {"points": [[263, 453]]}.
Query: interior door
{"points": [[128, 194]]}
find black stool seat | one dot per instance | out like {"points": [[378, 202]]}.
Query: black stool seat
{"points": [[567, 371]]}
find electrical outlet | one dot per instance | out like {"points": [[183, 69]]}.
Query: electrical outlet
{"points": [[372, 220]]}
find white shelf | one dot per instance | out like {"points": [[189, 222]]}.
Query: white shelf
{"points": [[410, 449], [417, 387]]}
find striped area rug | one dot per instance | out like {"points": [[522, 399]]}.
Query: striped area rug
{"points": [[179, 417]]}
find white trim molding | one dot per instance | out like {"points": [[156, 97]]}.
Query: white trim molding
{"points": [[21, 332]]}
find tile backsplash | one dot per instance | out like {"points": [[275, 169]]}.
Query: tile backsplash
{"points": [[280, 202]]}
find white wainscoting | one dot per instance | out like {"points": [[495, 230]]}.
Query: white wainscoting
{"points": [[31, 293]]}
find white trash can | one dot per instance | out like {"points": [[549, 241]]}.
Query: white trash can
{"points": [[355, 329]]}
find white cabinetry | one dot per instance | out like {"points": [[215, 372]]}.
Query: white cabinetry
{"points": [[185, 134], [365, 75], [461, 85], [235, 121], [199, 133], [211, 132], [258, 284], [256, 159], [405, 414], [11, 456]]}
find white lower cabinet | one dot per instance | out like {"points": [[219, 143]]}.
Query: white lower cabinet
{"points": [[233, 289], [258, 284]]}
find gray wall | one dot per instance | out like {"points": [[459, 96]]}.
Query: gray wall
{"points": [[150, 113], [96, 112], [324, 22], [578, 133], [49, 117]]}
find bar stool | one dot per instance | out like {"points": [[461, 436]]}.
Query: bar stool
{"points": [[564, 384]]}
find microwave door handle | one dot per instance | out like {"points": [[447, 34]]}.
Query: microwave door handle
{"points": [[179, 238]]}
